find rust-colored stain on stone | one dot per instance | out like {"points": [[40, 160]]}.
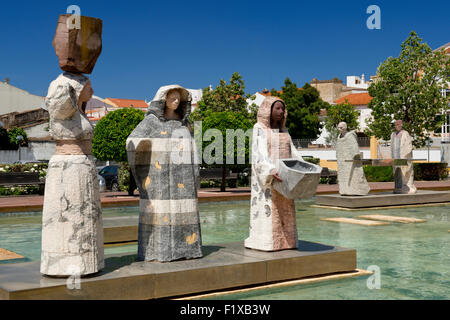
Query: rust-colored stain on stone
{"points": [[165, 219], [192, 238], [146, 182]]}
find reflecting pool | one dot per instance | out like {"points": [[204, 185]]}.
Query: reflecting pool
{"points": [[413, 259]]}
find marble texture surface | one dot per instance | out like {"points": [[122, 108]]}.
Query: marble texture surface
{"points": [[401, 148], [72, 227], [272, 216], [162, 157], [351, 178]]}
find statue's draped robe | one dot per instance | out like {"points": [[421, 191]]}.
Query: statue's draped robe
{"points": [[401, 148], [272, 216], [72, 226], [162, 156], [352, 180]]}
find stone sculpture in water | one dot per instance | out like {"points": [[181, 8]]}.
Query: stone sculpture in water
{"points": [[401, 148], [162, 155], [272, 215], [351, 178], [72, 231]]}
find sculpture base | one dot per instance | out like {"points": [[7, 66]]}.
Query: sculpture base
{"points": [[223, 266], [382, 199]]}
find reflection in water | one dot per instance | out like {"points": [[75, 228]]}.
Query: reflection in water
{"points": [[413, 258]]}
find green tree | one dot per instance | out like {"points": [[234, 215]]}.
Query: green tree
{"points": [[409, 88], [224, 107], [303, 106], [343, 112], [14, 143], [111, 133], [226, 97], [227, 132]]}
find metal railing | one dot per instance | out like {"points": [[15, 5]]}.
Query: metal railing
{"points": [[311, 143]]}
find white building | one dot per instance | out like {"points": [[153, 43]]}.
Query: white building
{"points": [[13, 99]]}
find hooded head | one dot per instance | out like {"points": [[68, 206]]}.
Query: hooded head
{"points": [[265, 112], [158, 104]]}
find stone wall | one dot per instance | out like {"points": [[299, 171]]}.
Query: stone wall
{"points": [[36, 151]]}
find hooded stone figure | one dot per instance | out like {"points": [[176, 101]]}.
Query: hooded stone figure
{"points": [[162, 156], [272, 216]]}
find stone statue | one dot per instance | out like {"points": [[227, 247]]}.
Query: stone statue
{"points": [[352, 180], [163, 159], [72, 231], [401, 148], [272, 216]]}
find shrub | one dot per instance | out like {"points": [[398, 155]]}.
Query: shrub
{"points": [[124, 176], [422, 171], [13, 133], [430, 171], [111, 133], [312, 160], [378, 174], [41, 168]]}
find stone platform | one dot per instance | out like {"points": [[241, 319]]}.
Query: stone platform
{"points": [[223, 266], [383, 199], [120, 229]]}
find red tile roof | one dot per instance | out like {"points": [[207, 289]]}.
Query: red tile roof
{"points": [[356, 99], [126, 103]]}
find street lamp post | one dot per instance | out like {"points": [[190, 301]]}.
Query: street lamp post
{"points": [[429, 142], [19, 139]]}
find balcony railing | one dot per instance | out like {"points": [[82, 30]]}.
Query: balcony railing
{"points": [[308, 143]]}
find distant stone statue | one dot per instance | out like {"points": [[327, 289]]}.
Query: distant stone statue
{"points": [[401, 148], [351, 178], [272, 215], [162, 157], [72, 231]]}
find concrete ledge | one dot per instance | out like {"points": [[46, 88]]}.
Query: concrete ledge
{"points": [[223, 266], [383, 199]]}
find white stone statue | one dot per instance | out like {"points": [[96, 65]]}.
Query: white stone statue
{"points": [[351, 178], [401, 148], [72, 227], [272, 215]]}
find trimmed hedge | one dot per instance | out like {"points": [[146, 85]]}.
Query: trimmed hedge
{"points": [[422, 171], [430, 171], [378, 174]]}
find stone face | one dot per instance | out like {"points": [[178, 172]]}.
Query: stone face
{"points": [[162, 156], [78, 48], [401, 148], [272, 214], [351, 178]]}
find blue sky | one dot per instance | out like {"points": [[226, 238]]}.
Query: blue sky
{"points": [[149, 44]]}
